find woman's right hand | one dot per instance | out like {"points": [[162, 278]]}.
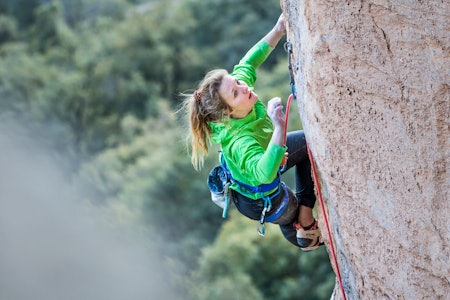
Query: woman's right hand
{"points": [[276, 113], [278, 117]]}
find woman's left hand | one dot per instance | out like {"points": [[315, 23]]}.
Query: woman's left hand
{"points": [[281, 25], [276, 33]]}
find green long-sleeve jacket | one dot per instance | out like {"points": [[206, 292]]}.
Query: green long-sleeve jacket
{"points": [[250, 156]]}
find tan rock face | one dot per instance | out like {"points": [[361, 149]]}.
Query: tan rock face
{"points": [[373, 93]]}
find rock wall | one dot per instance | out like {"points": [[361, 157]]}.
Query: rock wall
{"points": [[372, 80]]}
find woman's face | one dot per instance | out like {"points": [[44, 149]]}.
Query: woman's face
{"points": [[238, 96]]}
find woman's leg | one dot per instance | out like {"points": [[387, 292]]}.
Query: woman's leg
{"points": [[304, 185], [290, 233]]}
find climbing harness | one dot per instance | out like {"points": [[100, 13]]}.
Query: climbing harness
{"points": [[262, 189], [288, 49]]}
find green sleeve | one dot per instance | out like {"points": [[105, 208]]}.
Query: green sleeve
{"points": [[254, 164], [246, 69]]}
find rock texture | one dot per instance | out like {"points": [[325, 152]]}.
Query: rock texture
{"points": [[373, 94]]}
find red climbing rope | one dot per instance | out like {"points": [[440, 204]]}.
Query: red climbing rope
{"points": [[288, 48], [319, 193], [330, 238], [288, 107]]}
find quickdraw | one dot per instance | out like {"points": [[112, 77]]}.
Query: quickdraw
{"points": [[293, 95]]}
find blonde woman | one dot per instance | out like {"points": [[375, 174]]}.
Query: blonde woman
{"points": [[226, 110]]}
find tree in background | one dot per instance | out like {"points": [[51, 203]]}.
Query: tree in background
{"points": [[240, 262], [99, 81]]}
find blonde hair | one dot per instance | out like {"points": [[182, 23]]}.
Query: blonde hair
{"points": [[203, 106]]}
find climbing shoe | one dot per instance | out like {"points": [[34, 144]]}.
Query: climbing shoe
{"points": [[308, 238]]}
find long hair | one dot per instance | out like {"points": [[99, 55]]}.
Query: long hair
{"points": [[203, 106]]}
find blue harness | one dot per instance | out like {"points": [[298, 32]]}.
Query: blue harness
{"points": [[262, 189]]}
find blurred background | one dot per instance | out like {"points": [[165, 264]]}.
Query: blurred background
{"points": [[98, 199]]}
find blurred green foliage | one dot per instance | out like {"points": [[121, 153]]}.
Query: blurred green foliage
{"points": [[100, 81]]}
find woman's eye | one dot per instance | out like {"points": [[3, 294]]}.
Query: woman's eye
{"points": [[235, 94], [238, 82]]}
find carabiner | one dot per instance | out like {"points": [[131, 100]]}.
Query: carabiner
{"points": [[261, 228]]}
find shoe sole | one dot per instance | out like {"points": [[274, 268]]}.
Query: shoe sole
{"points": [[311, 248]]}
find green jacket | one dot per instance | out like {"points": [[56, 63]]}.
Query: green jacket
{"points": [[250, 156]]}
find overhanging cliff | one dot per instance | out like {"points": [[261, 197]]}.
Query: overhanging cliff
{"points": [[373, 83]]}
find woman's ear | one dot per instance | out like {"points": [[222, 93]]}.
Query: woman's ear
{"points": [[228, 111]]}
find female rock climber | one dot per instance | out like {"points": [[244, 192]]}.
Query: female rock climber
{"points": [[226, 110]]}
